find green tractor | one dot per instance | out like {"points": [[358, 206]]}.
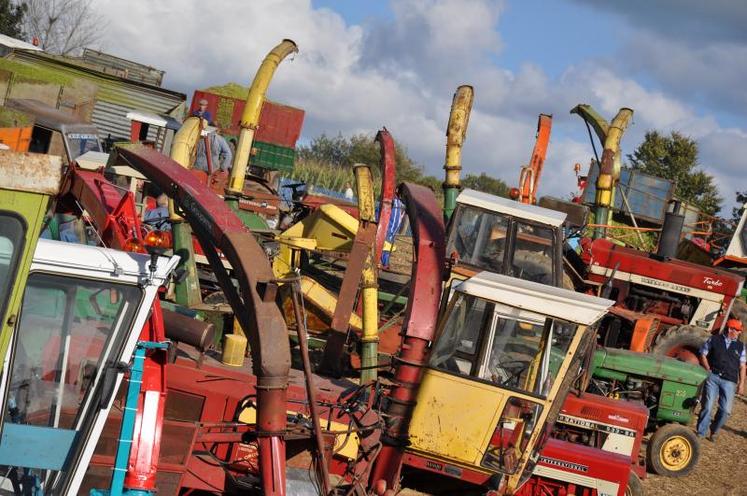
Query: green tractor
{"points": [[670, 389]]}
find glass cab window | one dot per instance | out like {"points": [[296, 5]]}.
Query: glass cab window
{"points": [[69, 332], [80, 143], [506, 346], [533, 253], [481, 238], [11, 241]]}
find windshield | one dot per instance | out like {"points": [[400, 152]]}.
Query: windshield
{"points": [[507, 346], [11, 241], [80, 143], [70, 329], [480, 238]]}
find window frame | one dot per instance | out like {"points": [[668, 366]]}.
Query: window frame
{"points": [[14, 263], [510, 245], [480, 360], [59, 479]]}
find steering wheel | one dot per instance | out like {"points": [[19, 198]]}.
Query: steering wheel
{"points": [[507, 373]]}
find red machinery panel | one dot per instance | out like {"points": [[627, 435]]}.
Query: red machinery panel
{"points": [[278, 124], [604, 253]]}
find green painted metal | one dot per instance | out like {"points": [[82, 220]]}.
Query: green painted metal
{"points": [[654, 366], [30, 208], [450, 196], [273, 157], [188, 289], [679, 381], [676, 402], [253, 221]]}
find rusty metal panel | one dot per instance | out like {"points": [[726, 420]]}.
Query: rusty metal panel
{"points": [[32, 172]]}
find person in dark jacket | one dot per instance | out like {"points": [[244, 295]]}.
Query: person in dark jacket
{"points": [[723, 355]]}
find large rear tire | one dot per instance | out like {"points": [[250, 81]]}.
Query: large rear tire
{"points": [[681, 342], [673, 450], [635, 486]]}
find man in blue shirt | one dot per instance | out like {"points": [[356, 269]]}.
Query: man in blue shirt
{"points": [[202, 111], [723, 355], [221, 156]]}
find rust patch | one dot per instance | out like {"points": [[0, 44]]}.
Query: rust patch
{"points": [[32, 172]]}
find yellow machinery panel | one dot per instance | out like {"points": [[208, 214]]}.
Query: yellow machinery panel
{"points": [[455, 417], [346, 445]]}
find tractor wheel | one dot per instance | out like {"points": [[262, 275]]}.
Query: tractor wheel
{"points": [[635, 486], [673, 450], [681, 342]]}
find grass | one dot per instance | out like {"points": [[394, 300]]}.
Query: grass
{"points": [[29, 73]]}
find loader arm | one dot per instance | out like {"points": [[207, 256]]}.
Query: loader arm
{"points": [[530, 174]]}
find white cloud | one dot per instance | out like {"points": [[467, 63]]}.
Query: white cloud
{"points": [[401, 74]]}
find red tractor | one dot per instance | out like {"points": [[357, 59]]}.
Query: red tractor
{"points": [[663, 305]]}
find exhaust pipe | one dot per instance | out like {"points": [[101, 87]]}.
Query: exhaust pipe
{"points": [[669, 239]]}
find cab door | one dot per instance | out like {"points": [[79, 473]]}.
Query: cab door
{"points": [[74, 340]]}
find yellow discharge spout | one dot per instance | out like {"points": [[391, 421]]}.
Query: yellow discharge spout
{"points": [[609, 169], [250, 117], [183, 151], [369, 285], [456, 131]]}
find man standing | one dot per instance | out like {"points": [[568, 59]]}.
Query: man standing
{"points": [[221, 156], [202, 111], [723, 355]]}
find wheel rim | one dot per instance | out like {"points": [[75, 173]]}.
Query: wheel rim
{"points": [[676, 453]]}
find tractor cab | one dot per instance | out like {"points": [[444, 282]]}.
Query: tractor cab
{"points": [[499, 235], [83, 310], [507, 350], [57, 132]]}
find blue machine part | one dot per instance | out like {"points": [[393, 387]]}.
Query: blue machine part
{"points": [[127, 431], [34, 446]]}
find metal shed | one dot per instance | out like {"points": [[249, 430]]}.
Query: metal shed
{"points": [[115, 96]]}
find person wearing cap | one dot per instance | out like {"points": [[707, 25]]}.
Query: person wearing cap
{"points": [[202, 111], [723, 355]]}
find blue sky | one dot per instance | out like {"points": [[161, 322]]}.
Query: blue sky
{"points": [[362, 65]]}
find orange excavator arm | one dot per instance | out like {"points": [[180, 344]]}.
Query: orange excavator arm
{"points": [[530, 174]]}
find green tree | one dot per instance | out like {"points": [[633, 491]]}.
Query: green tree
{"points": [[341, 151], [486, 184], [11, 18], [675, 157]]}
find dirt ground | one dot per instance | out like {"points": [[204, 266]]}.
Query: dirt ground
{"points": [[722, 469]]}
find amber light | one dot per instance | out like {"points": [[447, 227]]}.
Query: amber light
{"points": [[134, 245], [514, 193], [157, 240]]}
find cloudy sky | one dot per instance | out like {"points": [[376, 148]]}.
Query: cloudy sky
{"points": [[680, 64]]}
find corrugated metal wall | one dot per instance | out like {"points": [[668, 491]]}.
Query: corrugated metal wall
{"points": [[115, 96], [122, 67]]}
